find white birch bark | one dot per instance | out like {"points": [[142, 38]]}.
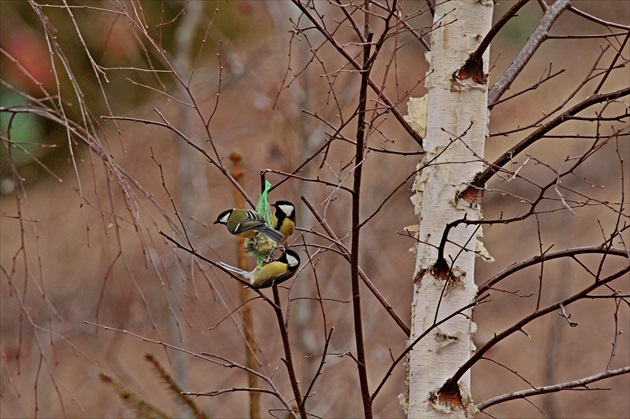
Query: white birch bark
{"points": [[457, 122]]}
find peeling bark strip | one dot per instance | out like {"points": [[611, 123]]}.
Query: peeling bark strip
{"points": [[457, 122]]}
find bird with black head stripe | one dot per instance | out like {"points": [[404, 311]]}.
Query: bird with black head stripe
{"points": [[284, 218], [270, 273]]}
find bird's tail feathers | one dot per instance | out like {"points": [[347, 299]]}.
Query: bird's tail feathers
{"points": [[274, 235], [235, 270]]}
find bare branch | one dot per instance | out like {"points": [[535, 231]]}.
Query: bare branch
{"points": [[526, 53], [356, 221], [598, 20], [517, 266], [351, 60], [411, 345], [483, 177], [364, 278], [518, 326], [553, 388], [473, 67], [288, 361]]}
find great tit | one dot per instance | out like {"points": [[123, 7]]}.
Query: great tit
{"points": [[246, 223], [274, 272], [284, 218]]}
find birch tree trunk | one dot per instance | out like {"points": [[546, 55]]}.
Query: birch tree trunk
{"points": [[457, 121]]}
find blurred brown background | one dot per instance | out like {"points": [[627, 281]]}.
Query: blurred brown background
{"points": [[76, 249]]}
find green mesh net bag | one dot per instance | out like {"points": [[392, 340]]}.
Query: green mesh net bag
{"points": [[260, 245]]}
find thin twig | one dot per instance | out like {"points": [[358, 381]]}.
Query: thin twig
{"points": [[346, 255]]}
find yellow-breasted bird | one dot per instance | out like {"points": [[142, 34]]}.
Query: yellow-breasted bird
{"points": [[284, 218], [274, 272]]}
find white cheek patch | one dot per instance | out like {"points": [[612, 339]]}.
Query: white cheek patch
{"points": [[224, 218], [292, 261], [287, 209]]}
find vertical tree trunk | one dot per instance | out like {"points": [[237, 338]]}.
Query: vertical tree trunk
{"points": [[457, 122]]}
